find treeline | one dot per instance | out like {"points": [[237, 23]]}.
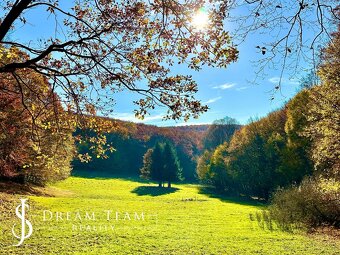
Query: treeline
{"points": [[33, 148], [262, 155], [131, 145], [37, 128], [296, 147], [316, 202]]}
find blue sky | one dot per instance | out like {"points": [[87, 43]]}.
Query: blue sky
{"points": [[227, 92]]}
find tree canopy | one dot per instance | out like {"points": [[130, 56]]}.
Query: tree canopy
{"points": [[98, 47], [219, 132], [34, 147], [104, 47], [324, 112]]}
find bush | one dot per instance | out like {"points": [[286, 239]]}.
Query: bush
{"points": [[315, 203], [51, 161]]}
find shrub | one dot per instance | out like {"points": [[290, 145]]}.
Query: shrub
{"points": [[315, 203]]}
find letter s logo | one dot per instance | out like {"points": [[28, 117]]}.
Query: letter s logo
{"points": [[21, 215]]}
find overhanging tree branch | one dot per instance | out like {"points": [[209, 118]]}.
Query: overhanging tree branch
{"points": [[13, 15]]}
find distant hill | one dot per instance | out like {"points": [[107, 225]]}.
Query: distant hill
{"points": [[193, 128], [133, 142]]}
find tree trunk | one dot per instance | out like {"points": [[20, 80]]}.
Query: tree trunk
{"points": [[13, 14], [160, 184], [169, 184]]}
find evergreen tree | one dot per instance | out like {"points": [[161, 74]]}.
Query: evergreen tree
{"points": [[161, 164], [171, 167], [147, 164], [157, 166], [153, 168]]}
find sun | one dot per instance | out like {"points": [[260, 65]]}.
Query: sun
{"points": [[200, 20]]}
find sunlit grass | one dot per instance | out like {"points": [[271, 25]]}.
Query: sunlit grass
{"points": [[181, 221]]}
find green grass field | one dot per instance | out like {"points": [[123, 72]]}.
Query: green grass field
{"points": [[176, 221]]}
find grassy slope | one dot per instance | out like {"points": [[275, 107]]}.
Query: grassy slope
{"points": [[205, 225]]}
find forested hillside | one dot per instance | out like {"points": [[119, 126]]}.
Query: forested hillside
{"points": [[131, 145], [135, 139], [291, 155]]}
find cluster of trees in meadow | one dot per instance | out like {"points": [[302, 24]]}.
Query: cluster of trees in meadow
{"points": [[171, 161], [161, 164]]}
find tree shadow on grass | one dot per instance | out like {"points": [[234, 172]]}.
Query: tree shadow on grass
{"points": [[102, 175], [153, 191], [243, 200]]}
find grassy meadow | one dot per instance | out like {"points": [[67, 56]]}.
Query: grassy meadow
{"points": [[181, 220]]}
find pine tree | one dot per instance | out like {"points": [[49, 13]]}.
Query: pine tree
{"points": [[147, 164], [156, 170], [161, 164], [172, 169], [153, 166]]}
